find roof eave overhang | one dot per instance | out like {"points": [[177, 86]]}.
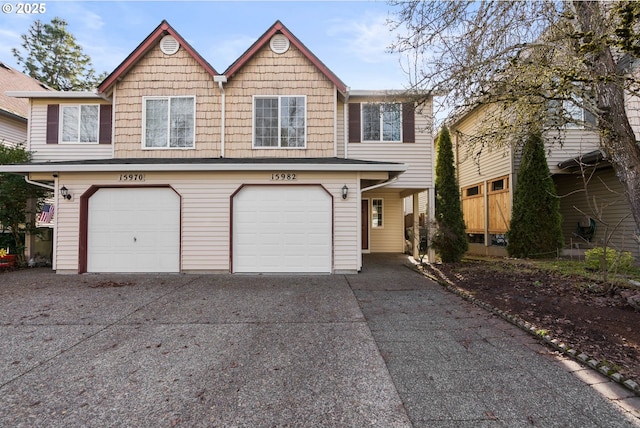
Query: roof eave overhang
{"points": [[145, 167], [56, 94], [586, 160], [152, 39], [12, 115], [278, 27], [389, 93]]}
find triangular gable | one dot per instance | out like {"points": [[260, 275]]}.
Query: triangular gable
{"points": [[278, 27], [154, 38]]}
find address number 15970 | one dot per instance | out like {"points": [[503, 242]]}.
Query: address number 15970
{"points": [[131, 177]]}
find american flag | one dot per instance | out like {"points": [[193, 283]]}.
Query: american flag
{"points": [[46, 214]]}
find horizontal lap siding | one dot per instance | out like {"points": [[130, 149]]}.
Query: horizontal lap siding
{"points": [[157, 74], [418, 156], [607, 192], [476, 164], [288, 74], [60, 152], [206, 214], [12, 131], [390, 237], [574, 143]]}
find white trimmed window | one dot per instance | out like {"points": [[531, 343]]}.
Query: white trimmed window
{"points": [[376, 213], [279, 122], [79, 123], [382, 122], [169, 122]]}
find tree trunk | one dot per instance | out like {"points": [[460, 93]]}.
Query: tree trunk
{"points": [[616, 135]]}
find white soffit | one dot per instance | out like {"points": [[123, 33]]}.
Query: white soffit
{"points": [[53, 167]]}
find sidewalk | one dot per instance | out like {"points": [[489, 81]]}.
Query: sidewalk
{"points": [[456, 365]]}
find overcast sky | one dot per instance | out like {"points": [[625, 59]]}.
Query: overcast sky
{"points": [[350, 37]]}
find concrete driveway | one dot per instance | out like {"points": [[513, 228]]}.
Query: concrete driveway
{"points": [[385, 348]]}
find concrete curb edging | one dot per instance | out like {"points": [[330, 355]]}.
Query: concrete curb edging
{"points": [[572, 353]]}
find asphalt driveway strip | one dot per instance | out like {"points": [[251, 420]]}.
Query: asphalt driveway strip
{"points": [[384, 348], [183, 350]]}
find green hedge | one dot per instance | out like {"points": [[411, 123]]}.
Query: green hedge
{"points": [[618, 261]]}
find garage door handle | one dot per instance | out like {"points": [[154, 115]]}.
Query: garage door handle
{"points": [[134, 239]]}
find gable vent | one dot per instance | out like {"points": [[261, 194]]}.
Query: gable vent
{"points": [[169, 45], [279, 44]]}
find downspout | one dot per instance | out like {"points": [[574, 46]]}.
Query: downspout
{"points": [[384, 183], [35, 183], [220, 80], [335, 121], [113, 122], [345, 131]]}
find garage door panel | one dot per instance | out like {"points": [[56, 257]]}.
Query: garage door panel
{"points": [[133, 230], [289, 229]]}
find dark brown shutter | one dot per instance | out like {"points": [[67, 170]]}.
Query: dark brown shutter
{"points": [[408, 123], [354, 123], [53, 117], [105, 124]]}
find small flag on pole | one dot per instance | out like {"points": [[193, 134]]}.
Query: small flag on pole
{"points": [[46, 214]]}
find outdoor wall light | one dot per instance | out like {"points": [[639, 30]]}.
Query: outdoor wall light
{"points": [[345, 192], [65, 193]]}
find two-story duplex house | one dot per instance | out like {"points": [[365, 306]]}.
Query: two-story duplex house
{"points": [[587, 187], [274, 165]]}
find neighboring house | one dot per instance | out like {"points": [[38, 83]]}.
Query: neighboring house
{"points": [[274, 165], [592, 201], [14, 116], [14, 112]]}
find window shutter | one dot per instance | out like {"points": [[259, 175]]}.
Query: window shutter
{"points": [[105, 124], [53, 117], [354, 123], [408, 123]]}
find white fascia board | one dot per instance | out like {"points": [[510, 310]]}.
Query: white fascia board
{"points": [[54, 94], [377, 92], [394, 93], [23, 169]]}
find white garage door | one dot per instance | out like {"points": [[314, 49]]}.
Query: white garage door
{"points": [[282, 229], [133, 230]]}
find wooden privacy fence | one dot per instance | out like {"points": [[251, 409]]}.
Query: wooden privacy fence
{"points": [[495, 204]]}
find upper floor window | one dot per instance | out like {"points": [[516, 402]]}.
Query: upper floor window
{"points": [[169, 122], [79, 123], [279, 121], [570, 114], [382, 122]]}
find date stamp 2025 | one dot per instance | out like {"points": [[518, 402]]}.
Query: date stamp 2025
{"points": [[24, 8]]}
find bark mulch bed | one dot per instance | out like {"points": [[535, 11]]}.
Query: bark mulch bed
{"points": [[590, 316]]}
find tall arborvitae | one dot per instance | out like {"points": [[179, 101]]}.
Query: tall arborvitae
{"points": [[536, 223], [450, 240]]}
